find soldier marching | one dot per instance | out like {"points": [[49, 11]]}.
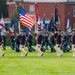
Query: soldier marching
{"points": [[54, 41]]}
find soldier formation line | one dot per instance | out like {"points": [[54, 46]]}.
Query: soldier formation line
{"points": [[58, 41]]}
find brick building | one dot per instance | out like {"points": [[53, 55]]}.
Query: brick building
{"points": [[65, 7]]}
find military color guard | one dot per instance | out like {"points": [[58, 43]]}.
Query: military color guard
{"points": [[58, 41]]}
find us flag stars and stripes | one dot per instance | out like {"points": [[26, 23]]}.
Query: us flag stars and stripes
{"points": [[26, 19]]}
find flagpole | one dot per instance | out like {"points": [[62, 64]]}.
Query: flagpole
{"points": [[36, 24], [35, 20], [36, 30]]}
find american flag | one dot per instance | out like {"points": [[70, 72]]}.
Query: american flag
{"points": [[26, 19]]}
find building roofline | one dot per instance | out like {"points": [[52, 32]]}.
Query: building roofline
{"points": [[69, 2], [9, 3], [44, 0]]}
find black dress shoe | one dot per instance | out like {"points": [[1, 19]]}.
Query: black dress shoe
{"points": [[3, 54], [42, 54], [26, 54]]}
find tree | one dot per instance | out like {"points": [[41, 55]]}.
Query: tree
{"points": [[17, 16], [3, 8]]}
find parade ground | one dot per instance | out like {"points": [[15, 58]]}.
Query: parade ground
{"points": [[49, 64]]}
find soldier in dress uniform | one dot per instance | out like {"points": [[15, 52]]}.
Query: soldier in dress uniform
{"points": [[69, 41], [39, 43], [13, 41], [65, 42], [29, 42], [52, 41], [1, 52], [17, 40], [46, 41], [58, 44], [73, 42], [43, 49], [23, 43]]}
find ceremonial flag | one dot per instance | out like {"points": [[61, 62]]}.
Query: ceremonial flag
{"points": [[26, 19], [11, 30], [2, 25], [55, 21], [44, 23], [27, 30], [52, 23], [51, 26], [56, 14], [56, 17], [36, 10], [68, 25], [37, 19], [38, 23]]}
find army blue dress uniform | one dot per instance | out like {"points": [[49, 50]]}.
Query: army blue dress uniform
{"points": [[13, 41], [17, 40], [22, 44], [52, 42], [45, 42], [29, 42], [58, 44], [39, 43], [65, 43]]}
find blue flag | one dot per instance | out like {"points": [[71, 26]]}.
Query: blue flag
{"points": [[27, 30], [51, 26], [12, 22], [44, 24], [53, 22]]}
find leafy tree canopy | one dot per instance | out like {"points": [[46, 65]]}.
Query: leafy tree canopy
{"points": [[3, 8]]}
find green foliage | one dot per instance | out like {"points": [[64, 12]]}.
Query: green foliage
{"points": [[8, 40], [3, 8], [13, 64], [16, 17]]}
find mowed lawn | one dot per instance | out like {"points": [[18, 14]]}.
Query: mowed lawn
{"points": [[13, 64]]}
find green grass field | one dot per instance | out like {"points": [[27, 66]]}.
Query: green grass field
{"points": [[13, 64]]}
